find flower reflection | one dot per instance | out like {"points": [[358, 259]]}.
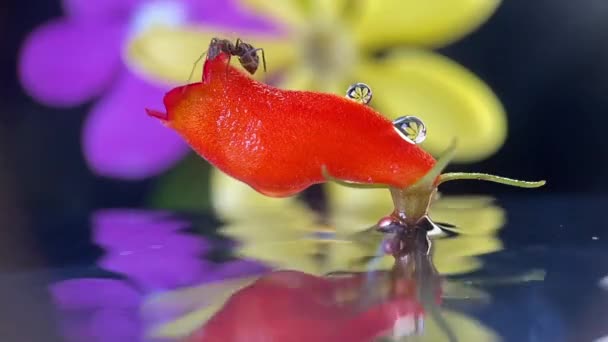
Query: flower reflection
{"points": [[98, 310], [352, 306], [150, 253], [286, 234]]}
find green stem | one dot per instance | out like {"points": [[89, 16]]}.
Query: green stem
{"points": [[446, 177], [429, 178]]}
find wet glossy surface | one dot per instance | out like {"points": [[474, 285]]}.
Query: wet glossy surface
{"points": [[140, 274]]}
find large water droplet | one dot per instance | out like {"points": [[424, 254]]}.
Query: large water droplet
{"points": [[359, 92], [410, 128]]}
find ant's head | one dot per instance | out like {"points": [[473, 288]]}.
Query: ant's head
{"points": [[217, 46]]}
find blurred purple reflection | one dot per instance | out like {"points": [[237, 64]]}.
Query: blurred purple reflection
{"points": [[152, 253], [76, 58]]}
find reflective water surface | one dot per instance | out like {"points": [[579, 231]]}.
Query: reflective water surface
{"points": [[513, 269]]}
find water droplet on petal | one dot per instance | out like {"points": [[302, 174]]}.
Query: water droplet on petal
{"points": [[359, 92], [410, 128]]}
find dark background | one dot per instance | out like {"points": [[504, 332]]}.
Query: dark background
{"points": [[546, 60]]}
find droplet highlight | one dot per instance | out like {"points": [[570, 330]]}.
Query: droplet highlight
{"points": [[410, 128], [359, 92]]}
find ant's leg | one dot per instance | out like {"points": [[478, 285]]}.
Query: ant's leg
{"points": [[195, 64], [228, 64], [194, 68], [263, 57]]}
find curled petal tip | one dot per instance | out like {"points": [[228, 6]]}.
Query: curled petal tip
{"points": [[157, 114]]}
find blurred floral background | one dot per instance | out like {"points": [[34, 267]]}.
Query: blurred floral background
{"points": [[513, 81], [510, 79]]}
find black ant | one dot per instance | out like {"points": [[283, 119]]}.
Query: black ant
{"points": [[247, 54]]}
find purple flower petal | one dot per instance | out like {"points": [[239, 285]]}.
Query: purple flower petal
{"points": [[87, 294], [156, 272], [100, 10], [124, 228], [226, 13], [121, 141], [148, 248], [159, 246], [64, 64], [103, 325], [116, 326], [234, 269]]}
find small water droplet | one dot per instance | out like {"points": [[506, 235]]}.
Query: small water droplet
{"points": [[410, 128], [359, 92]]}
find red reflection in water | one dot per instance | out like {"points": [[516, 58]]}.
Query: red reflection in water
{"points": [[295, 306]]}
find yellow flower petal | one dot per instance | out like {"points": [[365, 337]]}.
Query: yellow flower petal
{"points": [[381, 23], [474, 216], [457, 265], [288, 13], [273, 231], [284, 245], [458, 289], [360, 255], [168, 54], [458, 255], [329, 9], [234, 200], [466, 246], [303, 78], [287, 255], [354, 210], [331, 85], [450, 100], [297, 79]]}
